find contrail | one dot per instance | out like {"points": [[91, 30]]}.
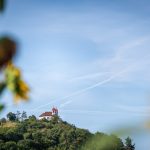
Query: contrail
{"points": [[84, 90], [65, 103], [93, 86]]}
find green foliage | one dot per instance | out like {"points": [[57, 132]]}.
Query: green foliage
{"points": [[3, 120], [8, 146], [28, 145], [128, 144], [101, 141], [32, 118], [11, 116], [1, 107], [12, 75], [2, 4], [12, 135], [15, 83], [18, 113], [2, 86], [24, 115], [56, 134]]}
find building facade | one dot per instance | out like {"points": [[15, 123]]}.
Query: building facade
{"points": [[49, 115]]}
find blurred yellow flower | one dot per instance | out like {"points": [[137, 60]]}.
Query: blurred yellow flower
{"points": [[15, 83]]}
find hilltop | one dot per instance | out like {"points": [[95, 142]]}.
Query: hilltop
{"points": [[54, 134]]}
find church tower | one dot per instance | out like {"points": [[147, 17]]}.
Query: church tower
{"points": [[54, 111]]}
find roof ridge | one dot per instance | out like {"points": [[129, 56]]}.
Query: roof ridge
{"points": [[48, 113]]}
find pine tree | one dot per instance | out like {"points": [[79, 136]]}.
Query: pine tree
{"points": [[128, 144]]}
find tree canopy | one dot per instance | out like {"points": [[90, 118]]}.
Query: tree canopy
{"points": [[56, 134]]}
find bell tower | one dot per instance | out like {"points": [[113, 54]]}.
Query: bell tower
{"points": [[54, 111]]}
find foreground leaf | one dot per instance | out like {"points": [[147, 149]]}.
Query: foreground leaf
{"points": [[15, 83], [2, 5], [1, 107], [7, 50]]}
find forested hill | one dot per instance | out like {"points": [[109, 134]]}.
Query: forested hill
{"points": [[56, 134]]}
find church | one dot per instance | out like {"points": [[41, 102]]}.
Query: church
{"points": [[48, 115]]}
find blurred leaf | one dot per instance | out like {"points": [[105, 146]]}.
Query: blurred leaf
{"points": [[102, 141], [2, 5], [147, 124], [15, 83], [2, 87], [7, 50], [128, 130], [1, 107]]}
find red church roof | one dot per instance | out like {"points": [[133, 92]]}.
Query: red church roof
{"points": [[46, 114], [49, 113]]}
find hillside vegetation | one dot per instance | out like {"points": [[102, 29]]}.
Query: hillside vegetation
{"points": [[56, 134]]}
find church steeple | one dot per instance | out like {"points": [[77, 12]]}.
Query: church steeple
{"points": [[54, 111]]}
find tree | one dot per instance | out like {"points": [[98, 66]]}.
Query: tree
{"points": [[32, 118], [23, 115], [12, 135], [11, 116], [2, 121], [28, 145], [100, 141], [18, 115], [55, 119], [27, 135], [128, 144], [10, 145], [56, 135]]}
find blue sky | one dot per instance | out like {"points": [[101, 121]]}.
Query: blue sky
{"points": [[89, 58]]}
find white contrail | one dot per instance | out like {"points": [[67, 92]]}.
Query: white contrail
{"points": [[93, 86], [65, 103], [85, 89]]}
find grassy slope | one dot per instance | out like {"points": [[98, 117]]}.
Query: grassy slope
{"points": [[9, 124]]}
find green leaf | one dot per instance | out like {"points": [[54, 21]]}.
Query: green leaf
{"points": [[2, 87], [2, 5], [1, 107]]}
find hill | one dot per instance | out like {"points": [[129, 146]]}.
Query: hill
{"points": [[56, 134]]}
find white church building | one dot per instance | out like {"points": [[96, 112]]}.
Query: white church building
{"points": [[48, 115]]}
